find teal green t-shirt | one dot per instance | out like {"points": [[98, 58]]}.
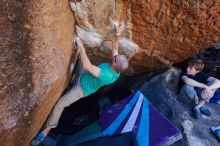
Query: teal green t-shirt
{"points": [[91, 84]]}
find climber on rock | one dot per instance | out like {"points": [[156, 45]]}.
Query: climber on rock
{"points": [[197, 86], [90, 80]]}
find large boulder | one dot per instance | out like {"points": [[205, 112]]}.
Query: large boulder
{"points": [[35, 54], [161, 91], [158, 33], [36, 48]]}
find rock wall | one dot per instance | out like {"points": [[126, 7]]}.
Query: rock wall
{"points": [[36, 47], [35, 53], [158, 33]]}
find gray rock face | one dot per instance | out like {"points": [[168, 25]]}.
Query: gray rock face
{"points": [[161, 91]]}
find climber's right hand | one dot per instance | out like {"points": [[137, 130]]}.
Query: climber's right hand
{"points": [[119, 28], [78, 43]]}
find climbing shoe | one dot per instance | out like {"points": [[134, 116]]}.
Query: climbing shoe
{"points": [[205, 111], [216, 131], [196, 113], [38, 139]]}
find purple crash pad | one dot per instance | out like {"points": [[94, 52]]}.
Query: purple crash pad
{"points": [[162, 132], [136, 114]]}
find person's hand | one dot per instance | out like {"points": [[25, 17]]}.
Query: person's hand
{"points": [[119, 28], [79, 42], [207, 93]]}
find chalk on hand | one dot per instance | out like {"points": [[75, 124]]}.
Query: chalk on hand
{"points": [[75, 42]]}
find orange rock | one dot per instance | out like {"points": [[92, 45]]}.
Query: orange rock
{"points": [[27, 26], [34, 64]]}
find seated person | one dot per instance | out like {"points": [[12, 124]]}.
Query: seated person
{"points": [[197, 86]]}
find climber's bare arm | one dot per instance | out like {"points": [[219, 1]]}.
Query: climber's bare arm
{"points": [[119, 29], [94, 70], [115, 46]]}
